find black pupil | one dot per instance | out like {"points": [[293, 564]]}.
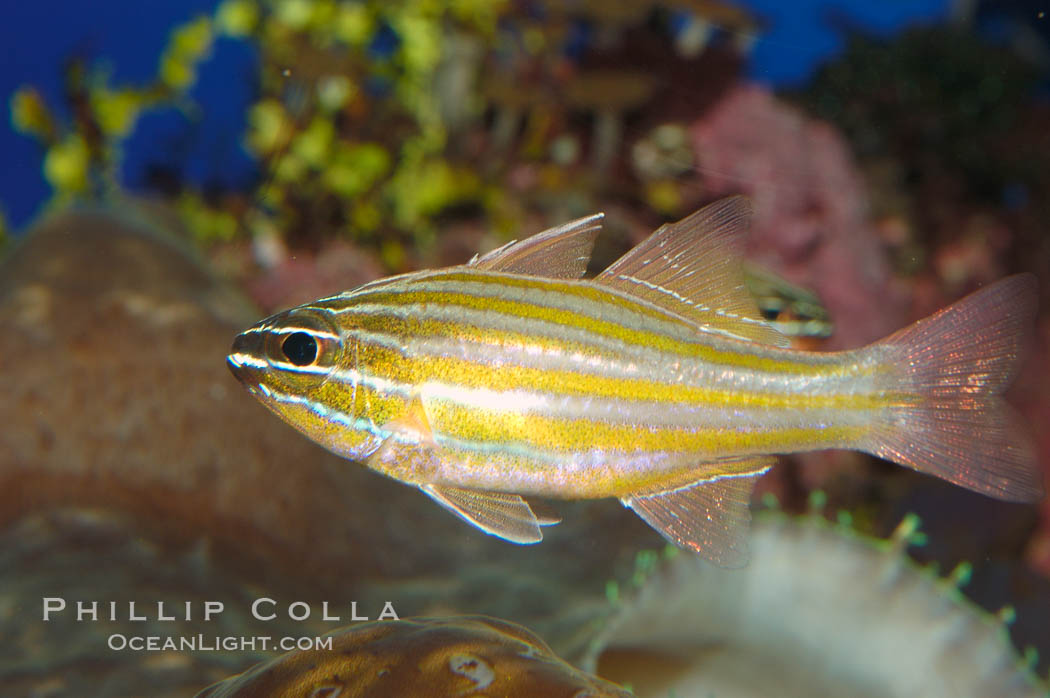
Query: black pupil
{"points": [[300, 348]]}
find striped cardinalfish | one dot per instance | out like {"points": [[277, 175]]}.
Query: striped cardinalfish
{"points": [[656, 382], [795, 311]]}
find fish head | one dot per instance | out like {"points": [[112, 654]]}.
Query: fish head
{"points": [[299, 364]]}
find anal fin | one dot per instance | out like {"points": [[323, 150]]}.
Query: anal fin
{"points": [[710, 515], [507, 516]]}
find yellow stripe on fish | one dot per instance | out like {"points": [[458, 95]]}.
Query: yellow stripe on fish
{"points": [[611, 316], [657, 382]]}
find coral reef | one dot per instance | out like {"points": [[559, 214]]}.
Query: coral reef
{"points": [[811, 222], [131, 473], [1033, 387], [397, 135], [456, 656], [820, 611], [937, 99], [375, 121], [82, 155]]}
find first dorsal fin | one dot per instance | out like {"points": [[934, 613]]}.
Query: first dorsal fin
{"points": [[561, 252], [693, 269], [710, 515]]}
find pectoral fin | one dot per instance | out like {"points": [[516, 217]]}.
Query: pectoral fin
{"points": [[710, 516], [496, 513], [411, 450]]}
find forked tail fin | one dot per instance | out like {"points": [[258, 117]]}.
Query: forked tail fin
{"points": [[958, 361]]}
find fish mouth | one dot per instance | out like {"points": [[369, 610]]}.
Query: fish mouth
{"points": [[244, 359]]}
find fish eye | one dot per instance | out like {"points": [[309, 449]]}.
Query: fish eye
{"points": [[300, 348]]}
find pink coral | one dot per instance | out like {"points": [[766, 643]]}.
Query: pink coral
{"points": [[811, 207]]}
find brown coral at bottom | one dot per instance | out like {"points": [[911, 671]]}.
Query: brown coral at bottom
{"points": [[468, 656]]}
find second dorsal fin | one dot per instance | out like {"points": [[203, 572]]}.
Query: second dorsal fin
{"points": [[693, 269], [561, 252]]}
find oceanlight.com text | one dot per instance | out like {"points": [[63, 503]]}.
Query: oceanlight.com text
{"points": [[119, 642]]}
